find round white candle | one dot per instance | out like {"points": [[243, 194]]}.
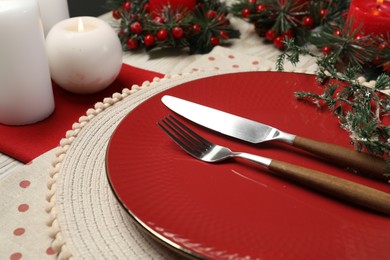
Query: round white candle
{"points": [[85, 54], [53, 11], [26, 94]]}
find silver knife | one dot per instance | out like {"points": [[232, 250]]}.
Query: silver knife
{"points": [[256, 132]]}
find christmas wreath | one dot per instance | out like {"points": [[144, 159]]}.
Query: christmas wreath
{"points": [[150, 24]]}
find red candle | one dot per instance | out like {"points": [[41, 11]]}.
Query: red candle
{"points": [[372, 15], [176, 5]]}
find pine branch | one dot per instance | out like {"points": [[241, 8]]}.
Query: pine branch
{"points": [[291, 54], [200, 42], [360, 111], [173, 27], [359, 105]]}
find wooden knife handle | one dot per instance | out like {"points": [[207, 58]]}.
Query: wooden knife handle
{"points": [[334, 186], [363, 162]]}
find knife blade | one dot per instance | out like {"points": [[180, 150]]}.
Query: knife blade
{"points": [[256, 132]]}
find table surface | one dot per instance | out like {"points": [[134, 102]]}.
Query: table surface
{"points": [[247, 53]]}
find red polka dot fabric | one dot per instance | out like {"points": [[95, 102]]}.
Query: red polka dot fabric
{"points": [[24, 233], [226, 59]]}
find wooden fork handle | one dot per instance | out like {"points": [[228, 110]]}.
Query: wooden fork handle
{"points": [[335, 186], [363, 162]]}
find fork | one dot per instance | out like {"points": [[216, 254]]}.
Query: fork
{"points": [[207, 151]]}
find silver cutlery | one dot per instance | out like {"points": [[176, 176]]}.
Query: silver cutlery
{"points": [[255, 132], [205, 150]]}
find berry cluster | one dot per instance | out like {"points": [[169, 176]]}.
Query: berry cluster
{"points": [[353, 46], [199, 27], [277, 20], [322, 23]]}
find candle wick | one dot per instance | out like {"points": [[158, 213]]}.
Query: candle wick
{"points": [[80, 25]]}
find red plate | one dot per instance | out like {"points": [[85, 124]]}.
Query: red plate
{"points": [[236, 209]]}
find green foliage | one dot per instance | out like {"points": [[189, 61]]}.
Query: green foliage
{"points": [[211, 30], [319, 23], [363, 110]]}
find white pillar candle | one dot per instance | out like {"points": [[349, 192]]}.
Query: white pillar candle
{"points": [[53, 11], [85, 54], [26, 94]]}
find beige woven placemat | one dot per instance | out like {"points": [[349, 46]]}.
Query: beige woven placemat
{"points": [[85, 218]]}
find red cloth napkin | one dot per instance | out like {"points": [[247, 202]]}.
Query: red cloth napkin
{"points": [[25, 143]]}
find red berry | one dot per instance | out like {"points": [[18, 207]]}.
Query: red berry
{"points": [[246, 12], [196, 28], [260, 8], [358, 37], [323, 12], [270, 35], [224, 21], [162, 34], [146, 7], [136, 28], [383, 45], [289, 33], [278, 42], [224, 34], [116, 14], [337, 33], [149, 40], [214, 40], [386, 67], [221, 17], [121, 33], [158, 19], [177, 32], [132, 43], [326, 50], [308, 21], [211, 14], [252, 1], [126, 6]]}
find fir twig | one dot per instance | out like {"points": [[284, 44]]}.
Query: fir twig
{"points": [[292, 54], [360, 106], [361, 111]]}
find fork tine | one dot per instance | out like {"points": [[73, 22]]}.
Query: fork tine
{"points": [[178, 137], [183, 136], [180, 132], [191, 132], [172, 133]]}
